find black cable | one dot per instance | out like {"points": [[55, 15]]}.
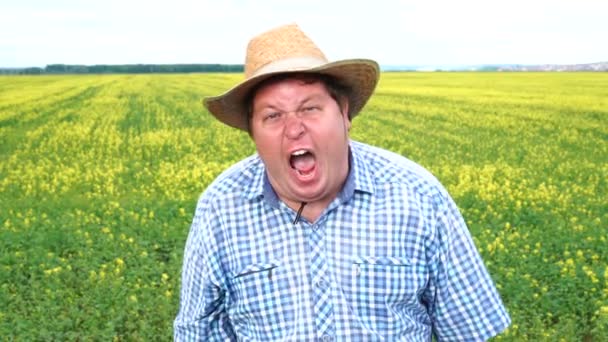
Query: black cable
{"points": [[299, 214]]}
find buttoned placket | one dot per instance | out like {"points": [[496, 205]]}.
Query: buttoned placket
{"points": [[321, 282]]}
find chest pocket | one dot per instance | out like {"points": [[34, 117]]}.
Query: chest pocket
{"points": [[386, 292], [262, 303]]}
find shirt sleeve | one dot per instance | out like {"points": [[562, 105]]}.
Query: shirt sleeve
{"points": [[202, 314], [466, 305]]}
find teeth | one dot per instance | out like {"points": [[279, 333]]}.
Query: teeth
{"points": [[299, 153]]}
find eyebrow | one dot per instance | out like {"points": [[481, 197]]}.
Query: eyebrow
{"points": [[304, 101], [311, 98]]}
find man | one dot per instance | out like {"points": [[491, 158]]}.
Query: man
{"points": [[318, 237]]}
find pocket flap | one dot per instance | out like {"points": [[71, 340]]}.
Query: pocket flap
{"points": [[382, 260], [255, 268]]}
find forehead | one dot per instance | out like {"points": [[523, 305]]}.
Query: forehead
{"points": [[308, 83]]}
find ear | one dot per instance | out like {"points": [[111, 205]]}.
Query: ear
{"points": [[346, 117], [344, 105]]}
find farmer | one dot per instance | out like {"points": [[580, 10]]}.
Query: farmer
{"points": [[319, 237]]}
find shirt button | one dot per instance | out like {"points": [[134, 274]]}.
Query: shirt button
{"points": [[327, 338], [322, 283]]}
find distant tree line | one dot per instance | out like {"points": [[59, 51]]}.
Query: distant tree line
{"points": [[123, 69]]}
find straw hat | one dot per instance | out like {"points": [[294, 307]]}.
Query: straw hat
{"points": [[287, 49]]}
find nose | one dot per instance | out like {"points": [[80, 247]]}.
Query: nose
{"points": [[294, 126]]}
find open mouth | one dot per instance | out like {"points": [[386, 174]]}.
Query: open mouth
{"points": [[303, 162]]}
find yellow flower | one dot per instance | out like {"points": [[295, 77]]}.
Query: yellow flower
{"points": [[53, 270]]}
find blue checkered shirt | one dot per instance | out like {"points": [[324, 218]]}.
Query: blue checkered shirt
{"points": [[390, 259]]}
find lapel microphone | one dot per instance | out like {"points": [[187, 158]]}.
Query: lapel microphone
{"points": [[299, 214]]}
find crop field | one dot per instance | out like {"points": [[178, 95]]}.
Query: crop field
{"points": [[99, 176]]}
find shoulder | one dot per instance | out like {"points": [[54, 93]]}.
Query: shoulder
{"points": [[236, 182], [389, 169]]}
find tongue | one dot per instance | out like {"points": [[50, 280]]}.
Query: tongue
{"points": [[304, 163]]}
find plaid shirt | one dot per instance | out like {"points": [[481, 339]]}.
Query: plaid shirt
{"points": [[390, 259]]}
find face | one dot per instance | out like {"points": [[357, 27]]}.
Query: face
{"points": [[301, 134]]}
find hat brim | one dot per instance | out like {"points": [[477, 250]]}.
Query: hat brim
{"points": [[360, 75]]}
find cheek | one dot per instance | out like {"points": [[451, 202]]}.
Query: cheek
{"points": [[267, 147]]}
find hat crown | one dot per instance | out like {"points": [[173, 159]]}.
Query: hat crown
{"points": [[287, 50], [280, 44]]}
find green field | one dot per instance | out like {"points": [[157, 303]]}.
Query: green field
{"points": [[99, 176]]}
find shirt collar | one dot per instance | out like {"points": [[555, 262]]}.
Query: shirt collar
{"points": [[358, 179], [258, 180], [363, 178], [270, 196]]}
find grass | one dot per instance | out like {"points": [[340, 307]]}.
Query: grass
{"points": [[99, 176]]}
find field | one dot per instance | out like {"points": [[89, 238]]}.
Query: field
{"points": [[99, 176]]}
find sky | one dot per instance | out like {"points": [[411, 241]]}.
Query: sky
{"points": [[392, 32]]}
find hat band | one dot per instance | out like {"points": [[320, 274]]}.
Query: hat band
{"points": [[290, 64]]}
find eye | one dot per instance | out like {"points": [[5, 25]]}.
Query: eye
{"points": [[272, 116], [310, 109]]}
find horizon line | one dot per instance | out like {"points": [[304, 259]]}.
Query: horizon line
{"points": [[386, 65]]}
